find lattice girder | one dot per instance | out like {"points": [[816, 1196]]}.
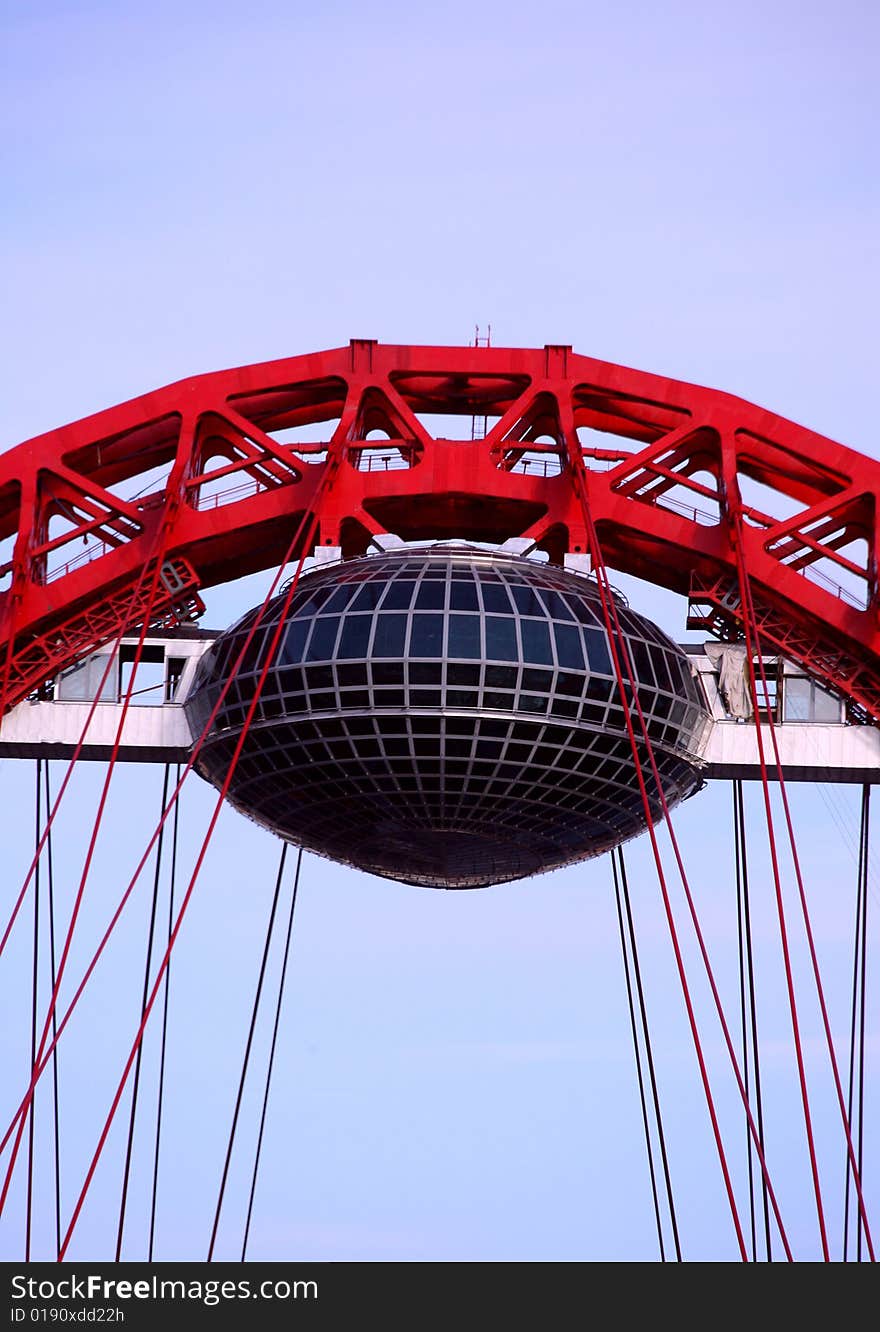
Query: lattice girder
{"points": [[232, 460]]}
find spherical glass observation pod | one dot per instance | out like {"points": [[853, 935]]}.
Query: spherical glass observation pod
{"points": [[447, 716]]}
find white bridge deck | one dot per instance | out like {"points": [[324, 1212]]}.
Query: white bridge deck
{"points": [[815, 743]]}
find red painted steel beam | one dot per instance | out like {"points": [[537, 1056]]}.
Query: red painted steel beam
{"points": [[683, 462]]}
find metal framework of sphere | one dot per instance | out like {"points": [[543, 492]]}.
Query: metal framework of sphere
{"points": [[446, 716]]}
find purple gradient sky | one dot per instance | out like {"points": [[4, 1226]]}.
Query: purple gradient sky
{"points": [[690, 189]]}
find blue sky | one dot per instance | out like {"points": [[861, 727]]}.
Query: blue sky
{"points": [[687, 189]]}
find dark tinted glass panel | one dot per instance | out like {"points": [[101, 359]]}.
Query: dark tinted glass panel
{"points": [[396, 745], [290, 681], [642, 661], [568, 646], [582, 611], [659, 659], [565, 707], [464, 636], [495, 598], [355, 698], [318, 597], [426, 637], [323, 638], [500, 702], [425, 672], [556, 605], [368, 596], [320, 677], [527, 602], [398, 595], [294, 642], [692, 689], [598, 655], [387, 672], [351, 675], [501, 677], [431, 596], [676, 671], [355, 637], [250, 651], [536, 641], [463, 596], [462, 675], [218, 659], [339, 600], [599, 687], [390, 639], [501, 638], [495, 728], [424, 698]]}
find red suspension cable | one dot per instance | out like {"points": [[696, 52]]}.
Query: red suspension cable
{"points": [[69, 772], [65, 952], [753, 652], [698, 1047], [156, 554], [614, 631], [305, 522], [269, 658], [313, 518], [334, 453], [153, 563]]}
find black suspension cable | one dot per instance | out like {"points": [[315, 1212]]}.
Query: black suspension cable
{"points": [[247, 1053], [736, 787], [247, 1224], [50, 867], [638, 1057], [161, 1091], [853, 1019], [637, 972], [38, 817], [753, 1010], [860, 1219], [857, 1023], [146, 991]]}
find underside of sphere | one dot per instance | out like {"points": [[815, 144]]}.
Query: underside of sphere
{"points": [[446, 716]]}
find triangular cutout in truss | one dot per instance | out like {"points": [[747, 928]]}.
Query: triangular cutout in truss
{"points": [[70, 507], [231, 457], [832, 544], [10, 521], [533, 442], [813, 518], [680, 472], [385, 435]]}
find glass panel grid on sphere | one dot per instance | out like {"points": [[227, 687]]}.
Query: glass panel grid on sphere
{"points": [[447, 716]]}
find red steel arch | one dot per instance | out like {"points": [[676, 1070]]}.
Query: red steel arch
{"points": [[676, 474]]}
